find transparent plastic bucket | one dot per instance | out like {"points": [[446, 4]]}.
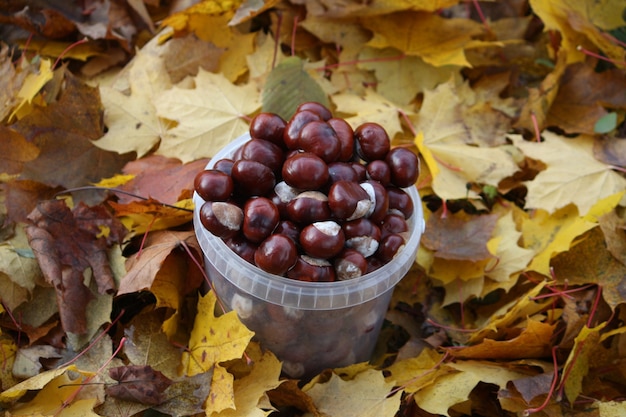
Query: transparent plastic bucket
{"points": [[310, 326]]}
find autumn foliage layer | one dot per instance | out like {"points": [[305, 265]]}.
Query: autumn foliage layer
{"points": [[516, 304]]}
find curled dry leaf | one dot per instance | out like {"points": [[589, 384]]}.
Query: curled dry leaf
{"points": [[138, 383]]}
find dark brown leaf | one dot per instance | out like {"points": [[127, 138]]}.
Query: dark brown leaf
{"points": [[139, 384], [163, 179], [63, 132], [16, 150], [459, 236], [66, 243]]}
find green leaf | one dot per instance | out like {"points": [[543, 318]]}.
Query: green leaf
{"points": [[606, 123], [289, 85]]}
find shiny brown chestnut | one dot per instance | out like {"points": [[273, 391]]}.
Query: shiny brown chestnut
{"points": [[378, 170], [252, 178], [315, 107], [265, 152], [319, 138], [362, 235], [305, 171], [213, 185], [295, 125], [341, 171], [289, 229], [222, 219], [276, 254], [348, 200], [260, 217], [346, 137], [242, 247], [312, 269], [372, 141], [268, 126], [400, 201], [404, 167], [322, 239], [378, 195], [389, 247], [225, 165], [393, 223], [308, 207], [350, 264]]}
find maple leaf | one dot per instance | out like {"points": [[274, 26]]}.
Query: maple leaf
{"points": [[138, 383], [533, 342], [436, 40], [454, 388], [580, 23], [581, 98], [17, 151], [413, 374], [365, 395], [589, 261], [169, 275], [370, 108], [209, 116], [572, 175], [451, 148], [214, 340], [459, 236], [66, 243], [63, 132], [10, 81], [131, 119]]}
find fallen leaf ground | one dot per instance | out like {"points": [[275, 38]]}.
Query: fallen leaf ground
{"points": [[516, 302]]}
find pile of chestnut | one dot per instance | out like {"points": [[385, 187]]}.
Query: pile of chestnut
{"points": [[311, 198]]}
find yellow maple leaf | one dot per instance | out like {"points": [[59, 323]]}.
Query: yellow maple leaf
{"points": [[31, 86], [510, 256], [436, 40], [413, 374], [214, 340], [579, 22], [367, 395], [577, 365], [453, 153], [209, 116], [251, 390], [572, 175], [131, 119], [371, 108], [455, 388]]}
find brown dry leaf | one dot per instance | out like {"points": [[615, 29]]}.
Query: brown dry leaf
{"points": [[459, 236], [22, 197], [152, 269], [10, 82], [610, 150], [138, 383], [533, 342], [582, 98], [251, 8], [572, 175], [589, 261], [209, 116], [63, 132], [160, 178], [343, 8], [17, 151], [65, 244], [436, 40], [613, 228]]}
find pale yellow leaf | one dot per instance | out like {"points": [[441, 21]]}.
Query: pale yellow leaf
{"points": [[572, 175], [451, 389], [131, 119], [452, 152], [511, 257], [32, 84], [371, 108], [208, 116], [364, 396]]}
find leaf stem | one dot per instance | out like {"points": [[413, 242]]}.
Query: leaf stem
{"points": [[115, 190], [555, 379], [598, 56]]}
